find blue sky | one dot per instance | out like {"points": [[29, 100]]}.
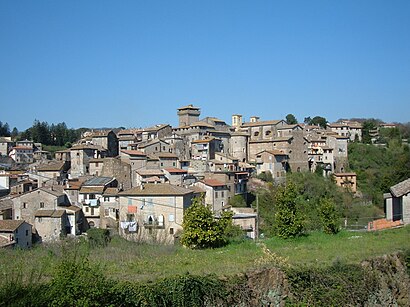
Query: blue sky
{"points": [[133, 63]]}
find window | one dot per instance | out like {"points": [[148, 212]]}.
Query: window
{"points": [[256, 133], [87, 209], [96, 164], [216, 194], [40, 219], [41, 205], [222, 194], [26, 233], [171, 218], [106, 198], [163, 148], [173, 163], [162, 163], [24, 205], [92, 211], [171, 231], [267, 133]]}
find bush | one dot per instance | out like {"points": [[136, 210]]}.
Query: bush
{"points": [[288, 219], [201, 229], [329, 216], [98, 237]]}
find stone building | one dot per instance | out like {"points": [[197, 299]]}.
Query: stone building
{"points": [[154, 212]]}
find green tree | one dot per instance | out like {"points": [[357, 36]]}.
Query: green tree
{"points": [[201, 229], [291, 119], [329, 216], [14, 133], [319, 120], [4, 129], [288, 219]]}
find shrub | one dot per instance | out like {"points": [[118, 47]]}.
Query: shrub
{"points": [[201, 229], [328, 215], [288, 219], [98, 237]]}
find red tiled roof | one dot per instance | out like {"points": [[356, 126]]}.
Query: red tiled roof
{"points": [[176, 170], [213, 182]]}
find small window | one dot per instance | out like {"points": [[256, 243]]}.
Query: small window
{"points": [[222, 194], [256, 133], [171, 231], [87, 209], [26, 232], [216, 194], [41, 205], [24, 205]]}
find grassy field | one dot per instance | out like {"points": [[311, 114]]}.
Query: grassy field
{"points": [[124, 260]]}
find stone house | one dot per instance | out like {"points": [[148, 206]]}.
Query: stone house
{"points": [[149, 175], [15, 234], [156, 132], [128, 137], [96, 166], [397, 202], [81, 155], [175, 176], [350, 129], [105, 139], [204, 149], [51, 225], [216, 193], [110, 209], [22, 154], [346, 180], [63, 155], [153, 212], [154, 147], [56, 171], [90, 196], [223, 162], [273, 161], [6, 145], [340, 153]]}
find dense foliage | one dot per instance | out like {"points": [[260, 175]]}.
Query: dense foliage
{"points": [[288, 218], [309, 200], [291, 119], [201, 229], [378, 168], [57, 135]]}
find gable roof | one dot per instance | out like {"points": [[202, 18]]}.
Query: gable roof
{"points": [[176, 170], [213, 183], [49, 213], [10, 225], [98, 181], [134, 153], [159, 189], [401, 188], [262, 123], [58, 166]]}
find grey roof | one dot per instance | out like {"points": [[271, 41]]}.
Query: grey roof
{"points": [[401, 188], [98, 181], [159, 189]]}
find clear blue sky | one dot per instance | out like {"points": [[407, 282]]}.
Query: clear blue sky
{"points": [[133, 63]]}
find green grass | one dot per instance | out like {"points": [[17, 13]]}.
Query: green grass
{"points": [[123, 260]]}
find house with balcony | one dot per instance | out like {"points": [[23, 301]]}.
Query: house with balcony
{"points": [[91, 195], [153, 212]]}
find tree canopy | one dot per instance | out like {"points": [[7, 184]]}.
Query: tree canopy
{"points": [[201, 229], [291, 119]]}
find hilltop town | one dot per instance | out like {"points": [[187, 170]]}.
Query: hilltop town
{"points": [[139, 182]]}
